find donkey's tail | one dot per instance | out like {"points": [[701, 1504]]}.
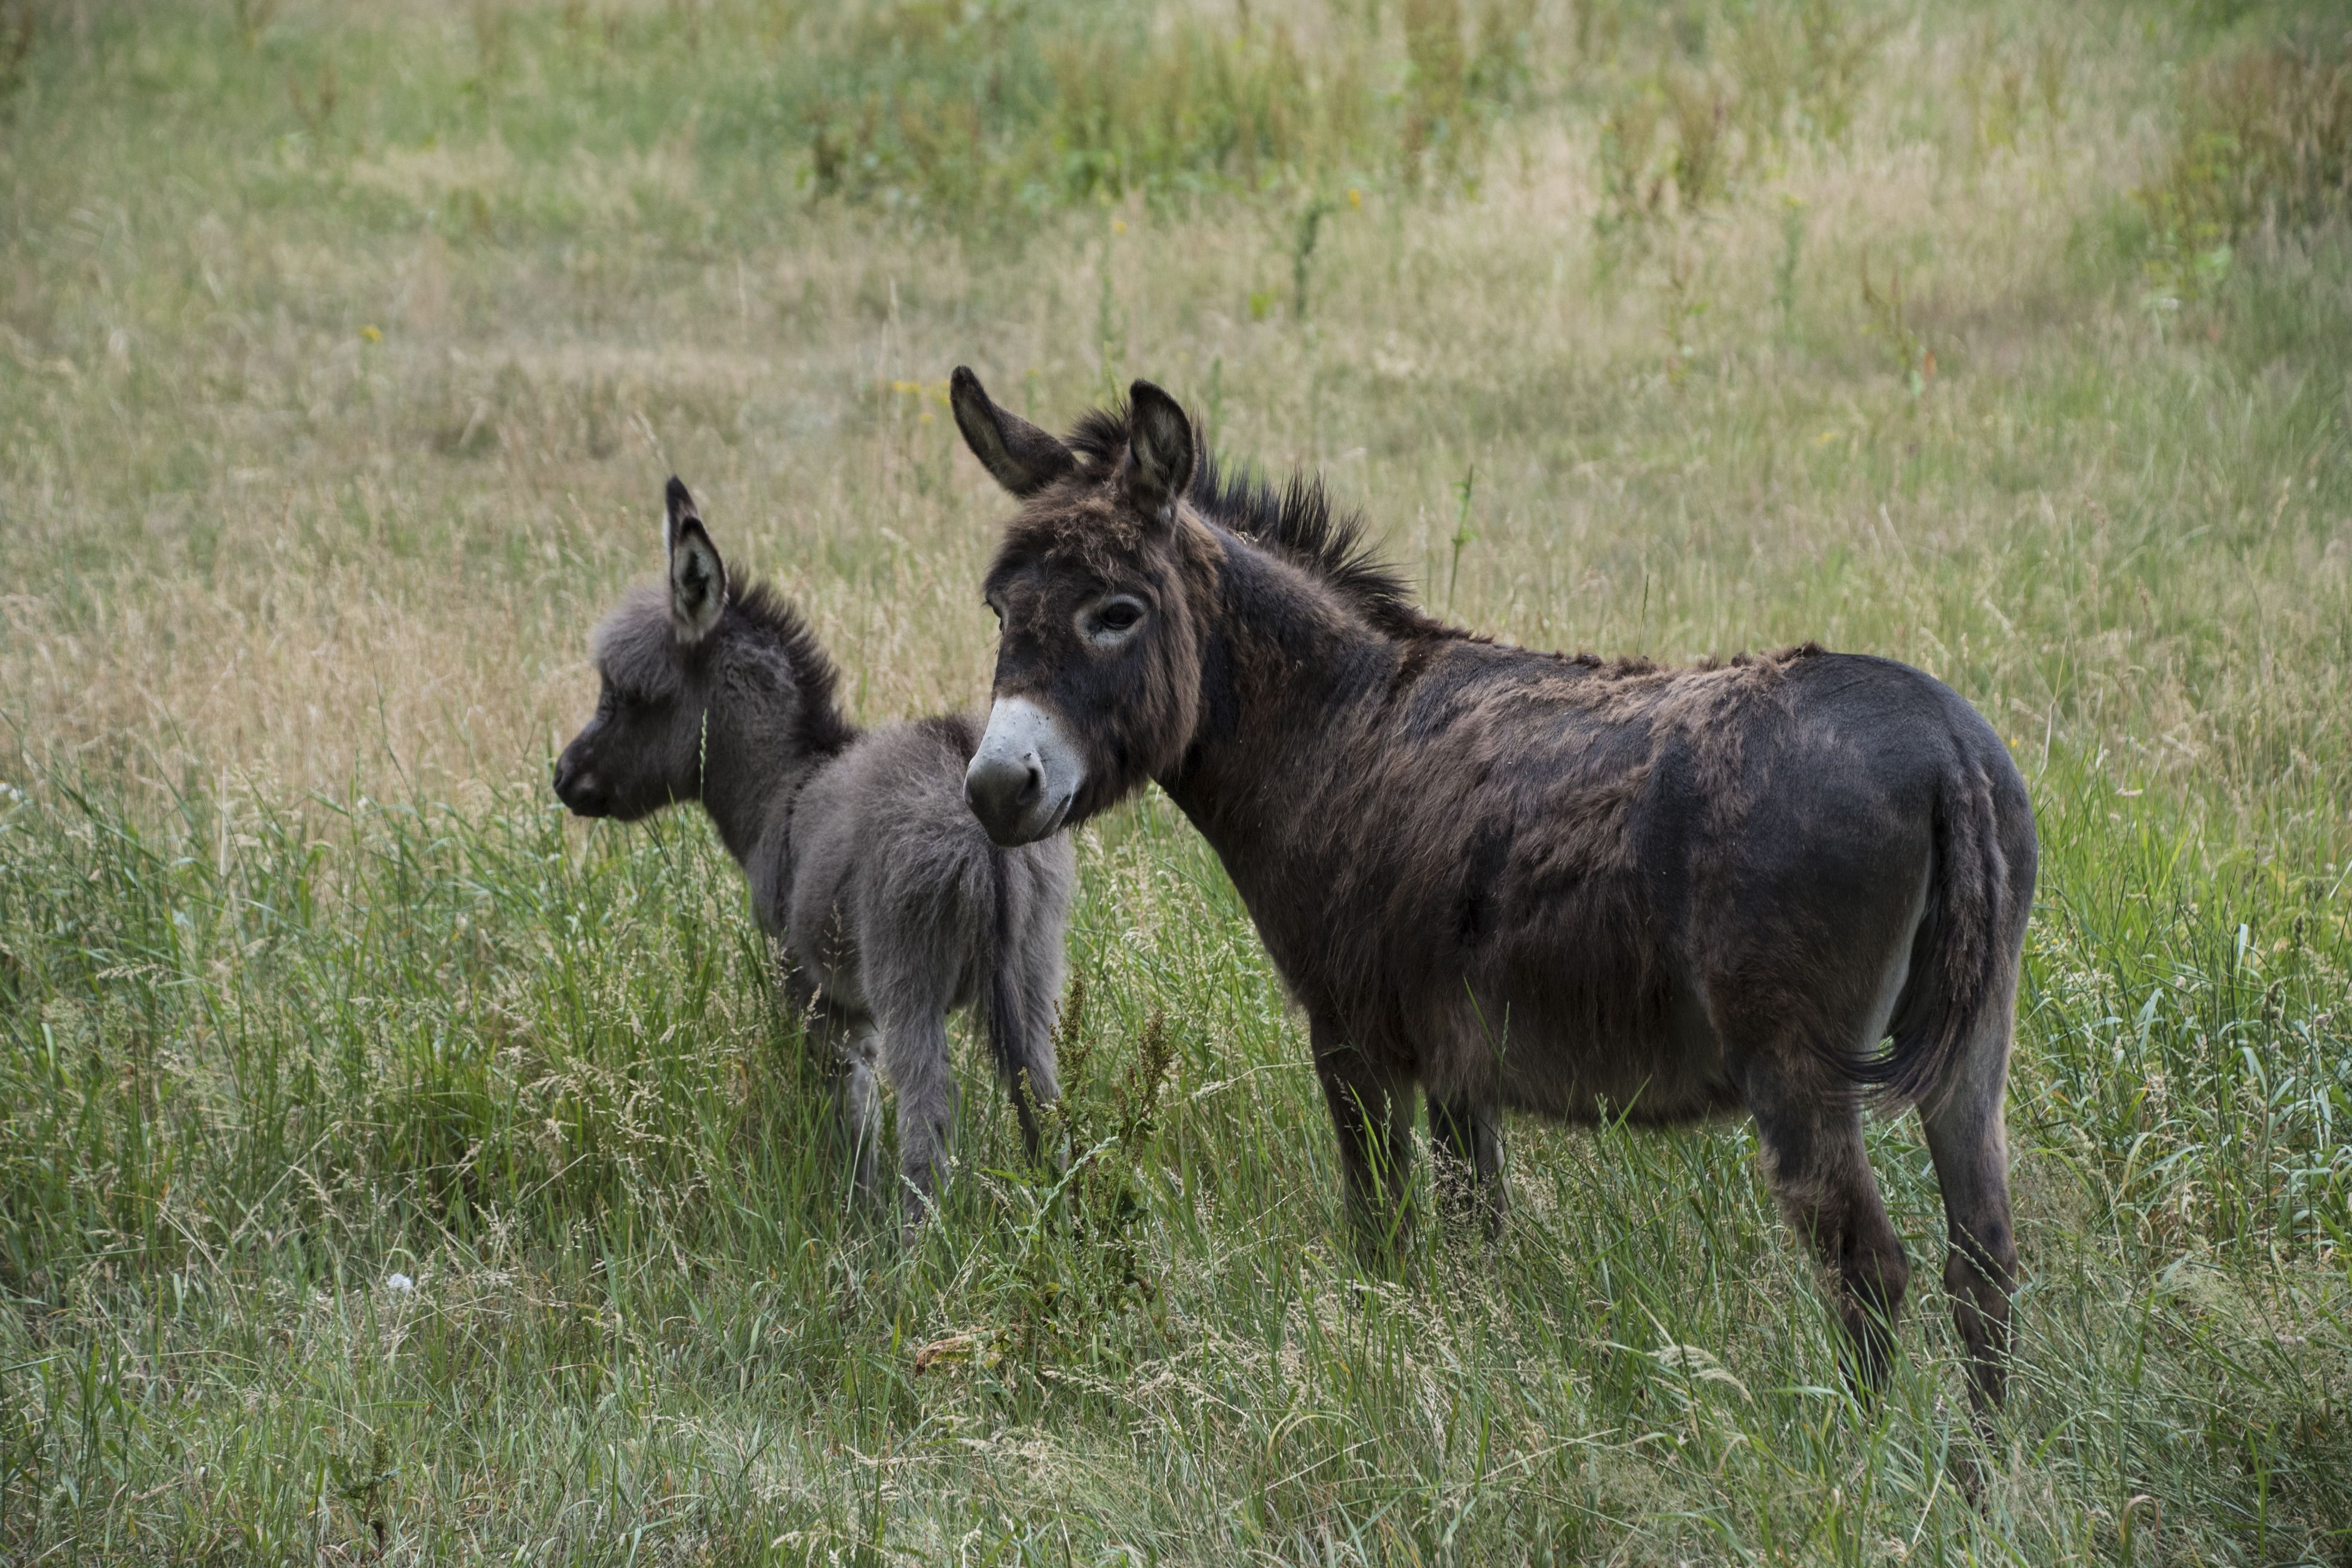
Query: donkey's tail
{"points": [[1008, 1018], [1965, 941]]}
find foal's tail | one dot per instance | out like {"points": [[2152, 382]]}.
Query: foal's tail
{"points": [[1008, 1019], [1964, 956]]}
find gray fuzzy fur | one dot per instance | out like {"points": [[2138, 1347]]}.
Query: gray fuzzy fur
{"points": [[889, 903]]}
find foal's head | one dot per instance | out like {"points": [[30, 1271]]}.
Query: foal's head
{"points": [[645, 746], [1099, 588]]}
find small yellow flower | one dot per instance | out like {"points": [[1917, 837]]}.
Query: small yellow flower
{"points": [[924, 417], [1119, 226], [1356, 198], [373, 334], [1825, 437]]}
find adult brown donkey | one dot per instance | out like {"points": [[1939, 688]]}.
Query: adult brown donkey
{"points": [[1522, 880]]}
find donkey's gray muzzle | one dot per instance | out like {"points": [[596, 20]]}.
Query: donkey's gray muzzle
{"points": [[1023, 777]]}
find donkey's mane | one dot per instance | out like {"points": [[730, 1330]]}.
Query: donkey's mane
{"points": [[768, 617], [1295, 521]]}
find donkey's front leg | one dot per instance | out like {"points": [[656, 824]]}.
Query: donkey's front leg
{"points": [[1371, 1111]]}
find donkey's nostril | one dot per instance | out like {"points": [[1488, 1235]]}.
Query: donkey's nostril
{"points": [[1002, 790], [578, 788]]}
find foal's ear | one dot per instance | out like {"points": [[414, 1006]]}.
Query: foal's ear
{"points": [[1024, 458], [697, 578], [1160, 454]]}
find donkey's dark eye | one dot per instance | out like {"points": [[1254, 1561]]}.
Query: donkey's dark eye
{"points": [[1108, 624]]}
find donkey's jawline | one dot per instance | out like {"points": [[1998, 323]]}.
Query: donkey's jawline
{"points": [[1053, 824], [1025, 834]]}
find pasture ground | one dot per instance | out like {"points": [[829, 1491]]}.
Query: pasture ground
{"points": [[341, 359]]}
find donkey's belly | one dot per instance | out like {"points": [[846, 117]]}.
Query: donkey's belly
{"points": [[1672, 1070], [1653, 1091]]}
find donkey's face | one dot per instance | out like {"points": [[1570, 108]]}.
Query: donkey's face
{"points": [[644, 749], [1099, 666]]}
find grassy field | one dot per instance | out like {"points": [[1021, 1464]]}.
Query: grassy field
{"points": [[341, 359]]}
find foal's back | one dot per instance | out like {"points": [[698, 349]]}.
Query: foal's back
{"points": [[898, 900]]}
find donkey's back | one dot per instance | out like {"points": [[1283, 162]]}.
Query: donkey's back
{"points": [[1599, 889]]}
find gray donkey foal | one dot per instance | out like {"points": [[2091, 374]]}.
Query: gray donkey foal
{"points": [[891, 905]]}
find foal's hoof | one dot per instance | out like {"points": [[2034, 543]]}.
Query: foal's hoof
{"points": [[920, 1214]]}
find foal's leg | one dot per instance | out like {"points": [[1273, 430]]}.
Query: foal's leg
{"points": [[1037, 1083], [1816, 1165], [857, 1108], [1466, 1152], [1371, 1111], [843, 1045], [1970, 1147], [914, 1056]]}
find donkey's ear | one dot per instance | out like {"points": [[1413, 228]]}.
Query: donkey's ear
{"points": [[1024, 458], [1160, 455], [697, 578]]}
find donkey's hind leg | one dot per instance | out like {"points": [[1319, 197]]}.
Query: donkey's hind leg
{"points": [[1970, 1149], [1466, 1152], [1818, 1169]]}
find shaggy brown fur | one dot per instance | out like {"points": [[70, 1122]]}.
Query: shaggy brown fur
{"points": [[1527, 880]]}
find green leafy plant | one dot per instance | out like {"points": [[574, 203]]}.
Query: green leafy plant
{"points": [[252, 18], [1080, 1260], [1784, 271], [1913, 361], [1306, 236], [2264, 140], [1463, 489], [18, 31]]}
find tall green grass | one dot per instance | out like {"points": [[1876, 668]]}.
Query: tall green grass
{"points": [[259, 1064]]}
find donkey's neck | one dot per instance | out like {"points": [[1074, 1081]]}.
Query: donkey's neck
{"points": [[1288, 664]]}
